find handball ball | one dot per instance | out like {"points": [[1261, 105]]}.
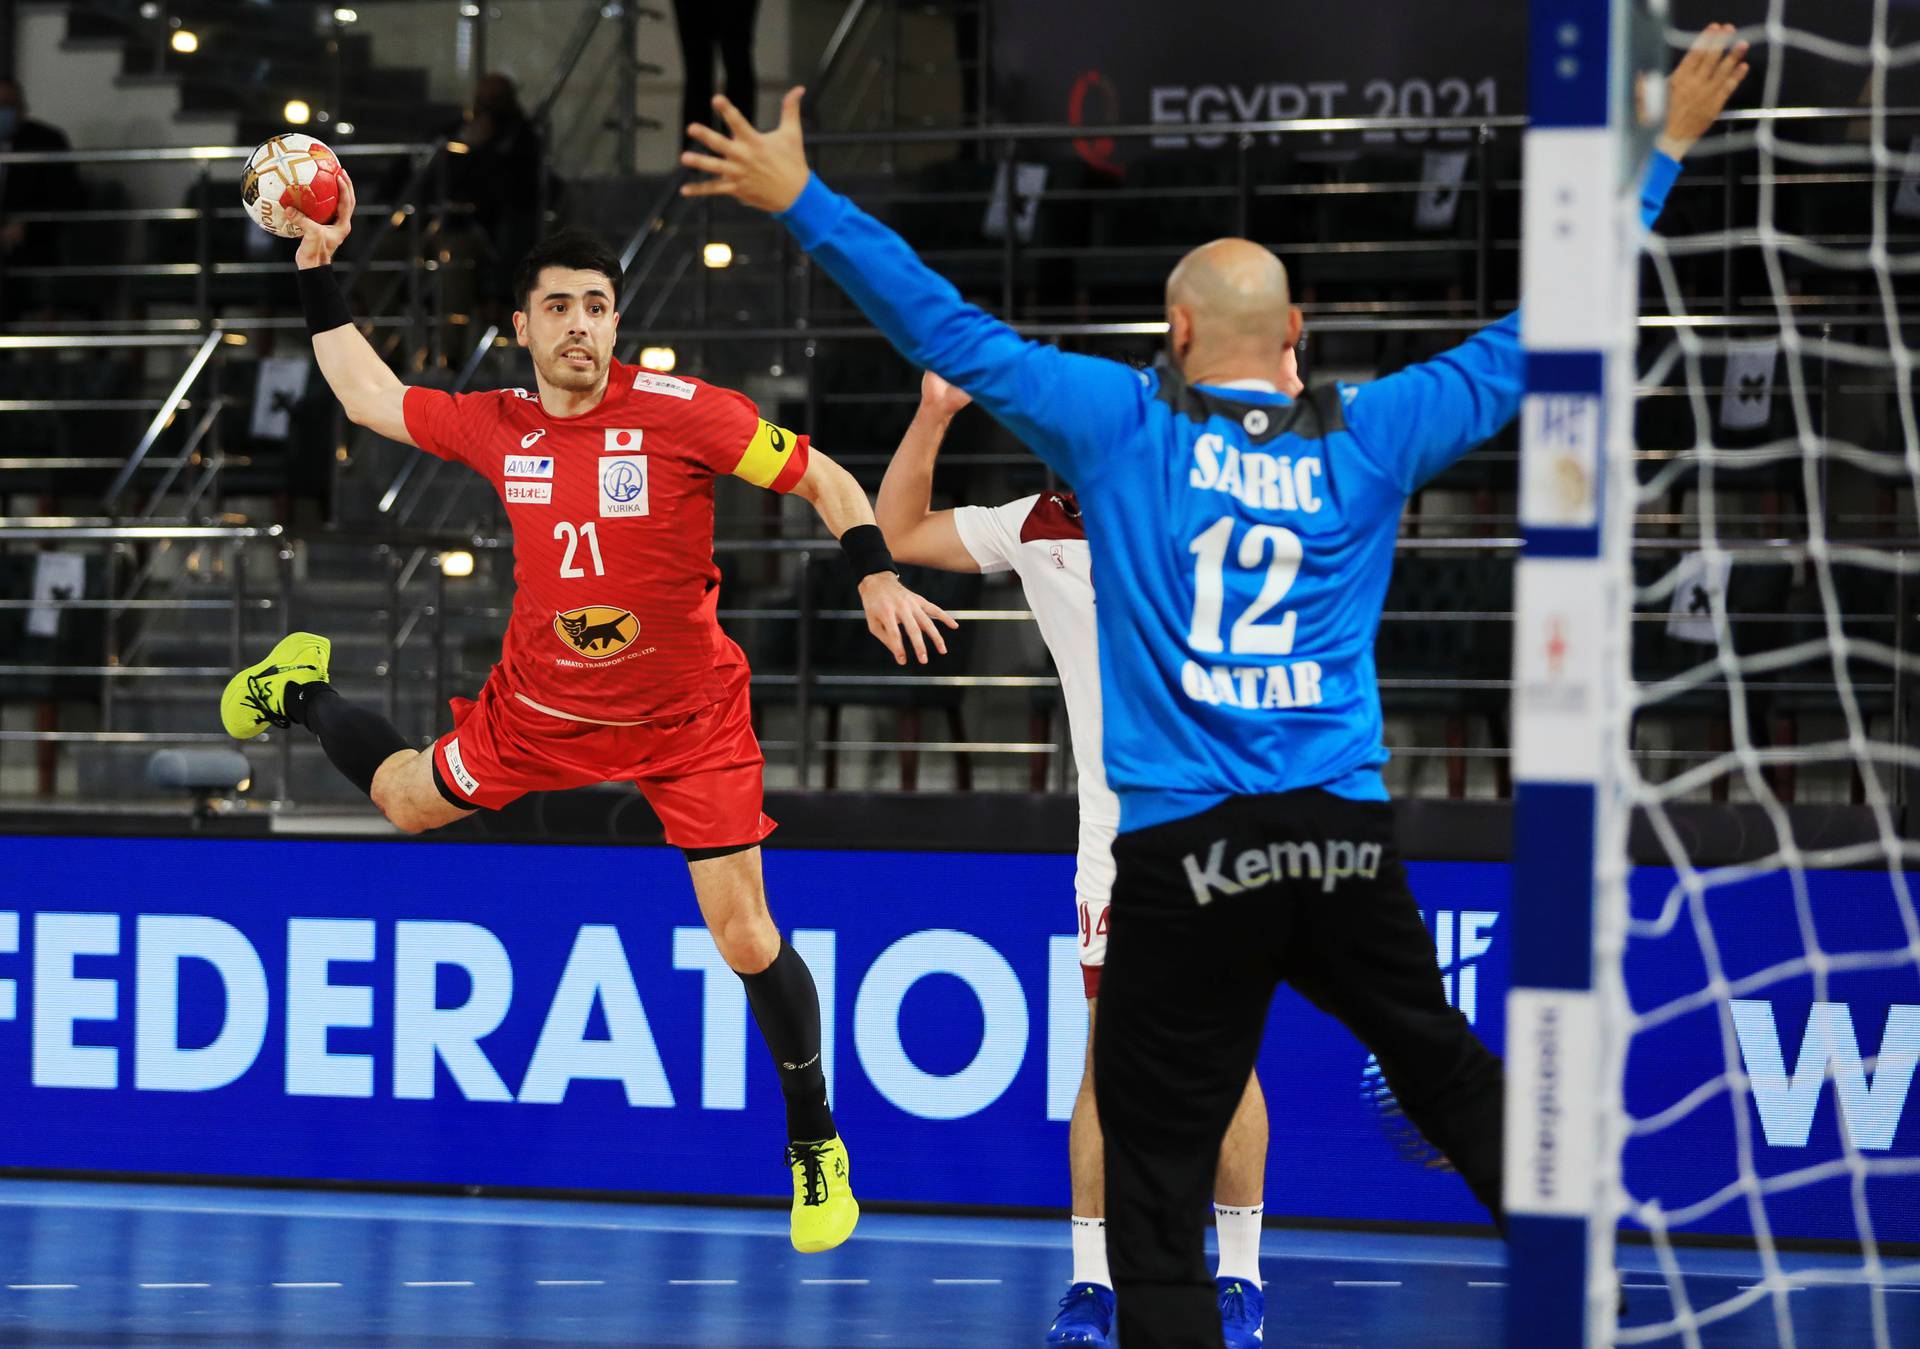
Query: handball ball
{"points": [[291, 170]]}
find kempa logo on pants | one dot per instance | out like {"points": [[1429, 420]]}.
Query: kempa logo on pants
{"points": [[1257, 867]]}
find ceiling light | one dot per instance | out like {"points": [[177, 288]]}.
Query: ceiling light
{"points": [[185, 41], [296, 112], [717, 255], [661, 359]]}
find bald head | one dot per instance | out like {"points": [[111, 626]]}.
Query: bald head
{"points": [[1236, 292]]}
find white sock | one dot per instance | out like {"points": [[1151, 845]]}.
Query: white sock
{"points": [[1090, 1251], [1239, 1230]]}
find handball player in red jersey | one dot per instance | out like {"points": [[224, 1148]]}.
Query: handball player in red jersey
{"points": [[614, 667]]}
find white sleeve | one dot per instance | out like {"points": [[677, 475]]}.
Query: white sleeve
{"points": [[992, 533]]}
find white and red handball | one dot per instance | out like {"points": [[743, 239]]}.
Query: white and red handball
{"points": [[291, 171]]}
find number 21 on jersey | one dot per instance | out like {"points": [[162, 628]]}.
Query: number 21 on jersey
{"points": [[573, 535]]}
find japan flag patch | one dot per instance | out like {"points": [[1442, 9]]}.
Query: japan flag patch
{"points": [[623, 485], [621, 441]]}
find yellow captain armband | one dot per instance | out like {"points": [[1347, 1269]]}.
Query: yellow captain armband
{"points": [[775, 458]]}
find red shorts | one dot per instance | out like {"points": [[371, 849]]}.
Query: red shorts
{"points": [[700, 772]]}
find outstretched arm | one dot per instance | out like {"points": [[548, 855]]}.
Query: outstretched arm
{"points": [[1068, 408], [915, 532], [1698, 90], [891, 608], [1417, 422], [372, 395]]}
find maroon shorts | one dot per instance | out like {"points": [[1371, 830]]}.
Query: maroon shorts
{"points": [[701, 771]]}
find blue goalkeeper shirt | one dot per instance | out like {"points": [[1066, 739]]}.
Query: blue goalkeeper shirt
{"points": [[1242, 540]]}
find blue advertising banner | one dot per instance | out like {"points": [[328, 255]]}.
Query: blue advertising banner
{"points": [[550, 1016]]}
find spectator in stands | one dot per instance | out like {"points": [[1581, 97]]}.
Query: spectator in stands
{"points": [[705, 25], [501, 177], [30, 187]]}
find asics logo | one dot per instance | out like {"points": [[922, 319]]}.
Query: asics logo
{"points": [[528, 441]]}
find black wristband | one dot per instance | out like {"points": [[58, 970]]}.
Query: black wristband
{"points": [[866, 549], [321, 297]]}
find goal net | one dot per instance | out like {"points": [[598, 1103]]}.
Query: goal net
{"points": [[1753, 1007], [1776, 969]]}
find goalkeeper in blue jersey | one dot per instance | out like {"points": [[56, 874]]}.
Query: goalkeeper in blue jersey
{"points": [[1242, 533]]}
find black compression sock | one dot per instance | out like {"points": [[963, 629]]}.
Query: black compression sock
{"points": [[787, 1008], [355, 740]]}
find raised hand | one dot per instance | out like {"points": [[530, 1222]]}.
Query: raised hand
{"points": [[1698, 89], [893, 609], [317, 241], [941, 399], [764, 169]]}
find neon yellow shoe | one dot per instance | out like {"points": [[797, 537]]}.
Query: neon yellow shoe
{"points": [[256, 698], [824, 1210]]}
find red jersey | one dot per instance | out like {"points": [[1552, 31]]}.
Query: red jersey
{"points": [[612, 514]]}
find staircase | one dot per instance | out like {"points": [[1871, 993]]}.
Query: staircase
{"points": [[250, 60], [78, 80]]}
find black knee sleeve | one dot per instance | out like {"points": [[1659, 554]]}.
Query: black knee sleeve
{"points": [[355, 740]]}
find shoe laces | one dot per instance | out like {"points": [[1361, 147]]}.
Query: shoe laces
{"points": [[811, 1158], [258, 694], [257, 700], [1233, 1301], [1080, 1295]]}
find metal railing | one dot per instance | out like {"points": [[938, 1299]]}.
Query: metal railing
{"points": [[406, 619], [1240, 190], [204, 265], [418, 616], [416, 289]]}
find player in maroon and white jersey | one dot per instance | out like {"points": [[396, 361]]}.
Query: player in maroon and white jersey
{"points": [[614, 667], [1041, 540]]}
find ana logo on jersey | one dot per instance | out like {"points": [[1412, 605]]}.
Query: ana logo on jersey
{"points": [[596, 631], [623, 485], [529, 466], [527, 441]]}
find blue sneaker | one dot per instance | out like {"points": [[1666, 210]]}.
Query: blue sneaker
{"points": [[1243, 1313], [1085, 1320]]}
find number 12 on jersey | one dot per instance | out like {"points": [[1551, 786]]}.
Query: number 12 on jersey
{"points": [[1250, 636]]}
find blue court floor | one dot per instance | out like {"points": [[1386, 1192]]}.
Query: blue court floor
{"points": [[109, 1265]]}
